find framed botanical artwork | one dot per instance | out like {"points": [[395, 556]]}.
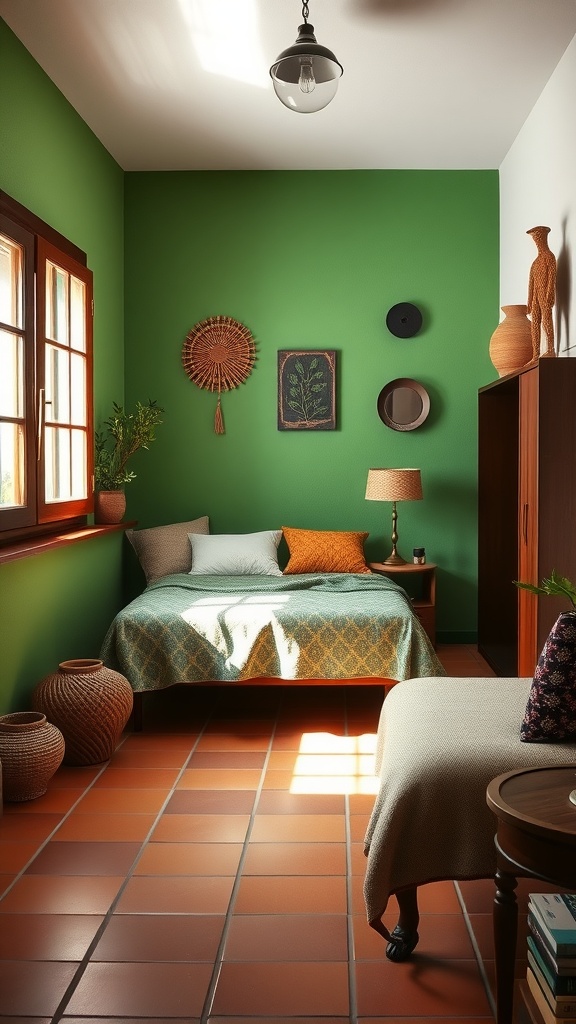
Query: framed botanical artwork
{"points": [[307, 389]]}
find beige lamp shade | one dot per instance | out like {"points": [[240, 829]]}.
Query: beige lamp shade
{"points": [[394, 485]]}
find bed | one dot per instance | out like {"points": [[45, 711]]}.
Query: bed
{"points": [[439, 743], [341, 627]]}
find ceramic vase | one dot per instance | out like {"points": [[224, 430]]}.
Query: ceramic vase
{"points": [[90, 704], [109, 507], [511, 343], [31, 751]]}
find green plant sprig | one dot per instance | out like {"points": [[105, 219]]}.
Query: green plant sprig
{"points": [[305, 390], [554, 586], [124, 434]]}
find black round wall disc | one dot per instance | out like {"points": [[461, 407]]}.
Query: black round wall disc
{"points": [[404, 320]]}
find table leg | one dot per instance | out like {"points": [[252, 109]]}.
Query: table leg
{"points": [[505, 918]]}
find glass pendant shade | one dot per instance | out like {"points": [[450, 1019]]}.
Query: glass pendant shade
{"points": [[305, 76]]}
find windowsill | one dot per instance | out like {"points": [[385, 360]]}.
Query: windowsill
{"points": [[37, 545]]}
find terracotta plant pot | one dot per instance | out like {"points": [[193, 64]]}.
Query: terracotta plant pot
{"points": [[31, 751], [109, 507], [90, 704], [511, 343]]}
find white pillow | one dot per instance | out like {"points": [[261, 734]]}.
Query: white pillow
{"points": [[235, 554]]}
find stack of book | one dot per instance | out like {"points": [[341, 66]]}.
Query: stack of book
{"points": [[551, 972]]}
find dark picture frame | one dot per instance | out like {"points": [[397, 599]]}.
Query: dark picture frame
{"points": [[307, 389]]}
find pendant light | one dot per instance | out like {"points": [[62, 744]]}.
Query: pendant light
{"points": [[305, 75]]}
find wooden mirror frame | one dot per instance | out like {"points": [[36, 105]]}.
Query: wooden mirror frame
{"points": [[389, 389]]}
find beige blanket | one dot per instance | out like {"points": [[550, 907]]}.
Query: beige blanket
{"points": [[440, 742]]}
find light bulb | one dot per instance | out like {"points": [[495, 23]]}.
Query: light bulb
{"points": [[306, 80]]}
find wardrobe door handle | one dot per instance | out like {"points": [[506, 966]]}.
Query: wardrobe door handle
{"points": [[525, 522]]}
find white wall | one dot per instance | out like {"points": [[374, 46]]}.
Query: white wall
{"points": [[538, 186]]}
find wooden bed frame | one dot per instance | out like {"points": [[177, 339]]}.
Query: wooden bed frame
{"points": [[137, 717]]}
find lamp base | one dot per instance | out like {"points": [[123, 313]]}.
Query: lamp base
{"points": [[394, 559]]}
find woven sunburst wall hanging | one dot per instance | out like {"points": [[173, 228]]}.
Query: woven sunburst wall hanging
{"points": [[218, 355]]}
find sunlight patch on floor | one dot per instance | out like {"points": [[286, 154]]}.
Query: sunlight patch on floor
{"points": [[335, 764]]}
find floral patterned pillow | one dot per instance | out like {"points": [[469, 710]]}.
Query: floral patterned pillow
{"points": [[551, 709]]}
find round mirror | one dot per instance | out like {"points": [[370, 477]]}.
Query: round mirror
{"points": [[403, 404]]}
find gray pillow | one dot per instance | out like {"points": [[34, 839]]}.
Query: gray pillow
{"points": [[236, 554], [163, 550]]}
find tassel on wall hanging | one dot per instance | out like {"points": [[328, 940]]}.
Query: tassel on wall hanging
{"points": [[218, 355]]}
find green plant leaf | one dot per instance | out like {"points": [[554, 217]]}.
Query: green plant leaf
{"points": [[123, 435], [553, 586]]}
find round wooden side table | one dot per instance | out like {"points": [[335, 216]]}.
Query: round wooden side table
{"points": [[535, 838]]}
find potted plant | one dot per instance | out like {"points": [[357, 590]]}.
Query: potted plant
{"points": [[123, 434]]}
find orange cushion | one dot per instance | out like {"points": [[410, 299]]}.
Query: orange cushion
{"points": [[325, 551]]}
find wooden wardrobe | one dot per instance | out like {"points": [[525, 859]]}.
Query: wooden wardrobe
{"points": [[526, 508]]}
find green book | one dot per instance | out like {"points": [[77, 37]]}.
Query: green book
{"points": [[555, 988], [562, 984], [561, 965]]}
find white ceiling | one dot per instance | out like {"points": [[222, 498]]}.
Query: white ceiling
{"points": [[427, 83]]}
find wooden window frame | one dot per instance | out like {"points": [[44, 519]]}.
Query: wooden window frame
{"points": [[39, 518]]}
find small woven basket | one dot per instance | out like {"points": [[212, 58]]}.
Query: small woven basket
{"points": [[31, 751]]}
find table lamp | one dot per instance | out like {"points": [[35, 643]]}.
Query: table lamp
{"points": [[394, 485]]}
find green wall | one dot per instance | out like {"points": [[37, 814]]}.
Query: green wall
{"points": [[315, 260], [304, 259], [57, 605]]}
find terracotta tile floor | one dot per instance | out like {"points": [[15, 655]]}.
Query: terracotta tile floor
{"points": [[212, 872]]}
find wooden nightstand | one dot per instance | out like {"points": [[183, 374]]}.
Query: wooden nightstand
{"points": [[424, 598]]}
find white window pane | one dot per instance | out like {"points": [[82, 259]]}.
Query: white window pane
{"points": [[11, 282], [57, 385], [78, 389], [79, 454], [57, 464], [12, 483], [50, 295], [57, 284], [77, 314], [11, 374]]}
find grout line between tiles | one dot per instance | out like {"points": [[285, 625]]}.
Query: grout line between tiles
{"points": [[476, 949], [45, 842], [219, 958], [352, 990], [71, 988]]}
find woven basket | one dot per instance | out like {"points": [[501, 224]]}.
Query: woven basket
{"points": [[31, 751], [90, 704]]}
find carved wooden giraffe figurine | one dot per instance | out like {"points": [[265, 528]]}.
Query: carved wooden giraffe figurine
{"points": [[542, 292]]}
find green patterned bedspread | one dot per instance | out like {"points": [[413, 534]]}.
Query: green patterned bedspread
{"points": [[194, 629]]}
